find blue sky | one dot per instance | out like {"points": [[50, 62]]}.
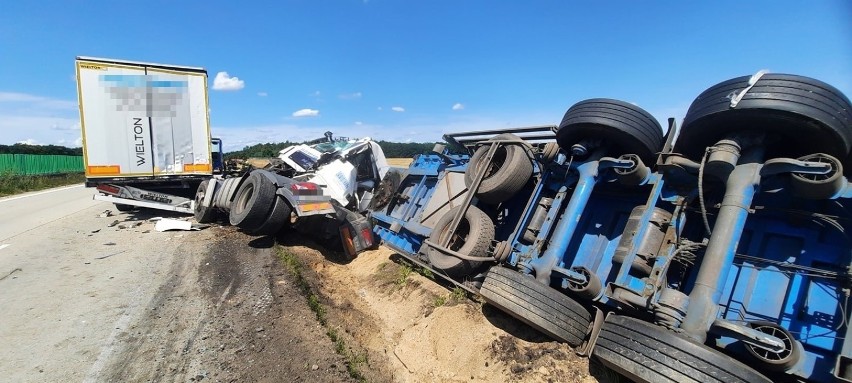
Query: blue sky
{"points": [[411, 70]]}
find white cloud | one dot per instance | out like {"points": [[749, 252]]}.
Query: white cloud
{"points": [[306, 113], [398, 109], [225, 82], [34, 118], [29, 100], [379, 108], [28, 141], [458, 106], [359, 123], [262, 94], [350, 96]]}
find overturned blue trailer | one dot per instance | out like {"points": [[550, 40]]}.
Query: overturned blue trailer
{"points": [[718, 252]]}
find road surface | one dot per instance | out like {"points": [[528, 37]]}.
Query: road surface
{"points": [[21, 213], [86, 298]]}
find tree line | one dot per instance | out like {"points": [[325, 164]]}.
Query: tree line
{"points": [[40, 149], [391, 149]]}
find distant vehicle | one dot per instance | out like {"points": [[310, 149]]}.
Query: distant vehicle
{"points": [[146, 132]]}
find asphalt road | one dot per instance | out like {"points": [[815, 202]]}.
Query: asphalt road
{"points": [[25, 212], [72, 284]]}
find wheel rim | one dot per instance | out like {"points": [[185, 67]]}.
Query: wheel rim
{"points": [[245, 197], [820, 177], [497, 162], [199, 198], [458, 238], [769, 356]]}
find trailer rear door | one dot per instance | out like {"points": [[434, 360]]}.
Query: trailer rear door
{"points": [[141, 119]]}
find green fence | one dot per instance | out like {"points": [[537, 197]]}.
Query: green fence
{"points": [[30, 164]]}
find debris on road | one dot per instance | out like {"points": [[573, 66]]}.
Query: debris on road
{"points": [[105, 214], [11, 272], [110, 255], [166, 224]]}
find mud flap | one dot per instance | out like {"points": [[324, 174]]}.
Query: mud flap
{"points": [[356, 234]]}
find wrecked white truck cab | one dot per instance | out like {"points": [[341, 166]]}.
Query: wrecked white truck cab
{"points": [[320, 188]]}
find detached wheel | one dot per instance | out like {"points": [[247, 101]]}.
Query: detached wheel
{"points": [[472, 237], [386, 190], [537, 305], [278, 218], [800, 116], [203, 214], [508, 172], [645, 352], [819, 186], [623, 127], [253, 202]]}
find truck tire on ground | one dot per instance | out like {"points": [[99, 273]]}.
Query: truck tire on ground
{"points": [[203, 214], [645, 352], [801, 115], [537, 305], [472, 237], [508, 172], [278, 218], [253, 202], [819, 186], [623, 127]]}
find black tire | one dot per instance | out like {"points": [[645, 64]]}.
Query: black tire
{"points": [[645, 352], [203, 214], [124, 208], [537, 305], [387, 189], [819, 186], [549, 152], [472, 237], [800, 114], [278, 218], [624, 127], [509, 171], [253, 202]]}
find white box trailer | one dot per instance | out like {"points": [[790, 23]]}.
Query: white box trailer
{"points": [[146, 131]]}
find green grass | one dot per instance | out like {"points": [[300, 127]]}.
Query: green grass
{"points": [[454, 297], [15, 184], [354, 360], [404, 273]]}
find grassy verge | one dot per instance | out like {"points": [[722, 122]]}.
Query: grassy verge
{"points": [[15, 184], [455, 297], [354, 360]]}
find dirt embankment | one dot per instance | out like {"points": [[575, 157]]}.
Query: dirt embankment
{"points": [[239, 309], [415, 329]]}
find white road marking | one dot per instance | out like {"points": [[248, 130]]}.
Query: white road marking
{"points": [[40, 193], [5, 245]]}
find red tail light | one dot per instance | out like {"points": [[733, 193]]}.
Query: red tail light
{"points": [[367, 236], [305, 188], [109, 189]]}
